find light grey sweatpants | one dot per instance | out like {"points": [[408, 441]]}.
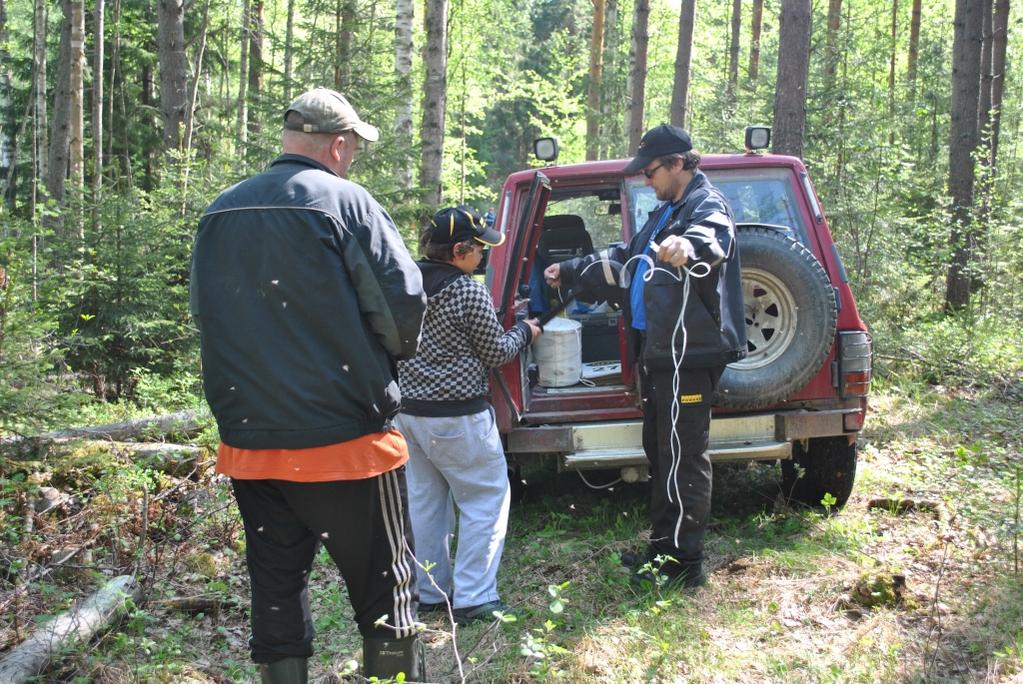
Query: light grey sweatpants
{"points": [[457, 459]]}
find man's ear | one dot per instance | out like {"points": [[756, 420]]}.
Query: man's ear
{"points": [[337, 145]]}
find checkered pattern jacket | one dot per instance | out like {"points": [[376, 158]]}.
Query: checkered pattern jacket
{"points": [[462, 340]]}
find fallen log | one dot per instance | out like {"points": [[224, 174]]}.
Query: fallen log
{"points": [[182, 422], [173, 459], [32, 656], [200, 603], [187, 423]]}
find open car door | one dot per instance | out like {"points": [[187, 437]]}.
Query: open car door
{"points": [[509, 380]]}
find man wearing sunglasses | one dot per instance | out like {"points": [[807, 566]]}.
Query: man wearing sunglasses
{"points": [[684, 311]]}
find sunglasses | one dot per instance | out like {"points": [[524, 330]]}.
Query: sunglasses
{"points": [[649, 173]]}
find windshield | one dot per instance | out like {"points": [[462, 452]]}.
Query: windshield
{"points": [[755, 196]]}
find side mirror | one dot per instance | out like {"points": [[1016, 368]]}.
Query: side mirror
{"points": [[757, 138], [545, 149]]}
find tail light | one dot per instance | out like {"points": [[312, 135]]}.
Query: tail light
{"points": [[853, 363]]}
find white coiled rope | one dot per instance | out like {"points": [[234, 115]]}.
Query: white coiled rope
{"points": [[700, 270]]}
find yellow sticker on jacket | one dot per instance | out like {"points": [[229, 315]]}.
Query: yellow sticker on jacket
{"points": [[690, 398]]}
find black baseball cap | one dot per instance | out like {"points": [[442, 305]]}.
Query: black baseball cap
{"points": [[658, 142], [457, 224]]}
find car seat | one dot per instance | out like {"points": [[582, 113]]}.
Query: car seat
{"points": [[562, 237]]}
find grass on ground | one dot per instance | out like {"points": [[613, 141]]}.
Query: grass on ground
{"points": [[879, 592]]}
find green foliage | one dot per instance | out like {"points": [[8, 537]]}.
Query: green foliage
{"points": [[537, 645], [34, 385], [965, 350], [121, 301]]}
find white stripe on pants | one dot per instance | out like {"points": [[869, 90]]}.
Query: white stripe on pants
{"points": [[457, 459]]}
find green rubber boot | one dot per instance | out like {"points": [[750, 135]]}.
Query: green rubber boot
{"points": [[284, 671], [385, 658]]}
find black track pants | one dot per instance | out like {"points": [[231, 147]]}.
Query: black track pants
{"points": [[363, 524], [680, 483]]}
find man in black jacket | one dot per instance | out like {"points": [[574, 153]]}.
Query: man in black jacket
{"points": [[306, 297], [684, 313]]}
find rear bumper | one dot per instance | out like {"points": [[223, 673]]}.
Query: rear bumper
{"points": [[614, 444]]}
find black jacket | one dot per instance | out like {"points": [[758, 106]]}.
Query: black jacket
{"points": [[305, 297], [714, 317]]}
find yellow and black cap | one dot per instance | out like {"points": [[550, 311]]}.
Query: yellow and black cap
{"points": [[452, 225]]}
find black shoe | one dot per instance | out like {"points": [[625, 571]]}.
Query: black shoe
{"points": [[284, 671], [635, 558], [386, 658], [671, 575], [481, 613], [440, 607]]}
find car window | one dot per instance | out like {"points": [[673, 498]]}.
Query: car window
{"points": [[599, 216], [755, 195]]}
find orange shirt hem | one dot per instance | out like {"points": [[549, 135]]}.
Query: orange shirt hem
{"points": [[356, 459]]}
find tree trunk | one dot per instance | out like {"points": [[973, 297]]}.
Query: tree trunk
{"points": [[76, 135], [999, 40], [289, 51], [683, 59], [60, 125], [404, 16], [39, 118], [596, 78], [173, 70], [76, 118], [831, 43], [733, 50], [964, 139], [985, 184], [68, 630], [611, 95], [115, 70], [243, 83], [756, 24], [194, 95], [984, 98], [637, 73], [7, 118], [790, 89], [435, 95], [191, 107], [914, 48], [345, 52], [339, 37], [177, 460], [147, 100], [892, 58], [255, 64], [187, 423], [97, 99]]}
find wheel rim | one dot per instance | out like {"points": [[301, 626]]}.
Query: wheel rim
{"points": [[771, 318]]}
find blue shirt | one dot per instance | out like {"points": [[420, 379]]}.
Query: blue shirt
{"points": [[636, 305]]}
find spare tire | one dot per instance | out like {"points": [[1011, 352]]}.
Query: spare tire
{"points": [[791, 318]]}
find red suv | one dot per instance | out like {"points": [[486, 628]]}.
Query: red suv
{"points": [[800, 396]]}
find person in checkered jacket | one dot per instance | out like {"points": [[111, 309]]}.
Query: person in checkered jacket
{"points": [[455, 455]]}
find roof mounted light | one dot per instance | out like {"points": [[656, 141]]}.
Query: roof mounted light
{"points": [[757, 138], [545, 149]]}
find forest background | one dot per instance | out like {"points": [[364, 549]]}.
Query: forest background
{"points": [[121, 119]]}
